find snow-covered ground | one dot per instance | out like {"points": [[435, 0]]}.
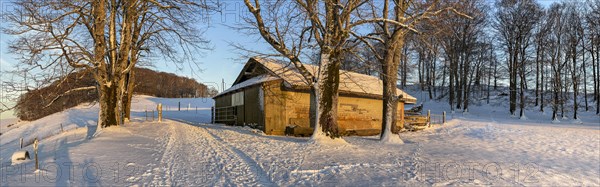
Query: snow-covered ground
{"points": [[484, 147]]}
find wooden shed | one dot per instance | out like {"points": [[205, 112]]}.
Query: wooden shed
{"points": [[271, 95]]}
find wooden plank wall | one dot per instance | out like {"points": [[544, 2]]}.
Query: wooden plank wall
{"points": [[284, 108], [274, 108]]}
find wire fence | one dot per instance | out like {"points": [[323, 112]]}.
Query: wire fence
{"points": [[436, 119]]}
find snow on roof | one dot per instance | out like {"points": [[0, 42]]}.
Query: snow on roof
{"points": [[350, 82], [249, 82]]}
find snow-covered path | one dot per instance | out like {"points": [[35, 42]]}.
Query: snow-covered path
{"points": [[192, 155]]}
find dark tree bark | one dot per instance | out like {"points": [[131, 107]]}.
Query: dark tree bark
{"points": [[515, 22], [106, 91]]}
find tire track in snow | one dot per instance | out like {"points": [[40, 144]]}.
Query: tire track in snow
{"points": [[263, 176], [162, 175], [275, 165], [193, 156]]}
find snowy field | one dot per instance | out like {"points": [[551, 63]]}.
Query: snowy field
{"points": [[483, 147]]}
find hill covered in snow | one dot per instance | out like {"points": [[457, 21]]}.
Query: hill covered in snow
{"points": [[59, 95]]}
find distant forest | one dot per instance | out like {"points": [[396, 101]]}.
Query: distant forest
{"points": [[60, 95]]}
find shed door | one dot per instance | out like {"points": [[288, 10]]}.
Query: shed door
{"points": [[252, 109]]}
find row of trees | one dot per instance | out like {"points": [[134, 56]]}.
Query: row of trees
{"points": [[551, 52], [548, 50], [107, 38], [452, 49]]}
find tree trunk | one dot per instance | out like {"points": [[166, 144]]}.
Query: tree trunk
{"points": [[556, 90], [130, 80], [459, 83], [495, 75], [313, 107], [597, 89], [433, 75], [420, 70], [328, 84], [390, 99], [596, 74], [598, 80], [451, 85], [107, 91], [523, 80], [563, 92], [542, 70], [513, 81], [537, 74], [466, 83], [522, 95], [108, 106], [575, 83], [404, 61], [489, 79]]}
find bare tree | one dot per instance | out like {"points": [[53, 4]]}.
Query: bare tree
{"points": [[574, 35], [542, 30], [556, 20], [464, 49], [329, 24], [396, 20], [514, 22], [593, 27], [105, 37]]}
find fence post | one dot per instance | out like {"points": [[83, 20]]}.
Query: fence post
{"points": [[21, 143], [444, 117], [61, 128], [35, 150], [179, 106], [146, 112], [159, 109], [212, 114], [429, 117], [152, 115]]}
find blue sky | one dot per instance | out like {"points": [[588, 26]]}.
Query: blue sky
{"points": [[221, 63]]}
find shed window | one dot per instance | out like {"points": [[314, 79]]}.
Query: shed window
{"points": [[237, 99]]}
